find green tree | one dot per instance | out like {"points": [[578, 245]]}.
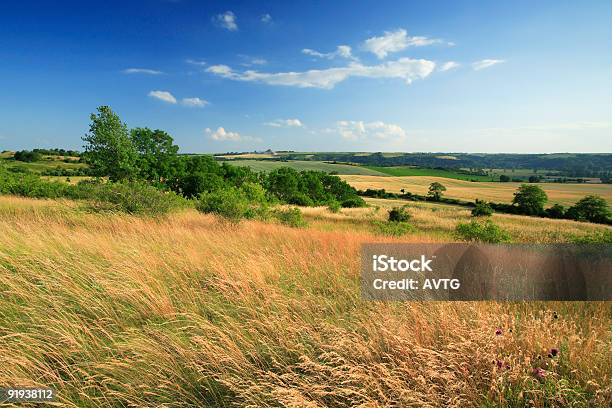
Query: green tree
{"points": [[283, 183], [435, 191], [108, 147], [590, 208], [503, 178], [157, 154], [530, 199]]}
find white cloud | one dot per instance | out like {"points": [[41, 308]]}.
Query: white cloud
{"points": [[199, 63], [163, 96], [343, 51], [250, 61], [266, 18], [194, 102], [447, 66], [285, 123], [394, 41], [378, 131], [403, 68], [141, 71], [226, 20], [486, 63], [221, 135]]}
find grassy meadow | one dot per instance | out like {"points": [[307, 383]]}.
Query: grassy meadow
{"points": [[187, 310], [269, 165], [561, 193], [401, 171]]}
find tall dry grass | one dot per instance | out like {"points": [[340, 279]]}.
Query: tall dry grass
{"points": [[189, 311]]}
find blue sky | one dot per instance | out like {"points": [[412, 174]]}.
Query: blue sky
{"points": [[312, 76]]}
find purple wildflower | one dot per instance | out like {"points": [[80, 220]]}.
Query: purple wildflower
{"points": [[539, 373]]}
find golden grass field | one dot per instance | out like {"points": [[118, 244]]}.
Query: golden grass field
{"points": [[116, 310], [566, 194]]}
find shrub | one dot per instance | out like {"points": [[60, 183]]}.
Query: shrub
{"points": [[482, 231], [300, 199], [334, 207], [556, 211], [398, 214], [132, 198], [291, 217], [353, 202], [27, 156], [229, 203], [482, 209], [393, 228]]}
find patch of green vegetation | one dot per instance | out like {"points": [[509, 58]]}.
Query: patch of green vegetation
{"points": [[47, 163], [401, 171], [269, 165]]}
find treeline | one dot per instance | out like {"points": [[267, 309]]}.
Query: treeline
{"points": [[569, 165], [144, 157], [151, 156], [528, 200], [37, 154]]}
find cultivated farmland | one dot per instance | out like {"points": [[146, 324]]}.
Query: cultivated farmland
{"points": [[565, 194]]}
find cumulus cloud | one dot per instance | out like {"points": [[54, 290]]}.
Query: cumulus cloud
{"points": [[486, 63], [266, 18], [285, 123], [226, 20], [142, 71], [343, 51], [222, 135], [406, 69], [360, 130], [447, 66], [163, 96], [394, 41], [194, 102]]}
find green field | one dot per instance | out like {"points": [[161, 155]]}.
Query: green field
{"points": [[402, 171], [47, 163], [269, 165]]}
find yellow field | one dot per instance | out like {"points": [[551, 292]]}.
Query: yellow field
{"points": [[566, 194], [116, 310]]}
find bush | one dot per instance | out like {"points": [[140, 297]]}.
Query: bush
{"points": [[353, 202], [482, 231], [27, 156], [334, 207], [30, 185], [556, 211], [300, 199], [291, 217], [393, 228], [234, 204], [229, 203], [132, 198], [482, 209], [398, 214]]}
